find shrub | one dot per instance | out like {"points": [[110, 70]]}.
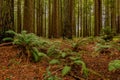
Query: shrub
{"points": [[28, 42], [107, 34]]}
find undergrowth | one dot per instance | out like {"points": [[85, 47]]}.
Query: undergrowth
{"points": [[35, 48], [29, 44]]}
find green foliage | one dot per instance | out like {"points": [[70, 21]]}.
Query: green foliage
{"points": [[54, 61], [78, 61], [104, 46], [28, 42], [114, 65], [69, 58], [24, 39], [8, 39], [53, 50], [100, 47], [79, 42], [107, 34], [37, 55], [66, 70], [84, 68], [49, 76]]}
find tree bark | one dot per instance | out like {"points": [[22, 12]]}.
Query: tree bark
{"points": [[67, 19], [19, 16], [29, 16], [98, 17]]}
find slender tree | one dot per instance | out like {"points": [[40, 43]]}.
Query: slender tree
{"points": [[107, 13], [1, 15], [113, 14], [50, 21], [118, 16], [81, 18], [55, 19], [98, 17], [19, 16]]}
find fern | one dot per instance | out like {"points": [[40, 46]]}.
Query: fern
{"points": [[8, 39], [107, 34], [99, 47], [114, 65], [66, 70], [29, 42], [54, 61], [49, 75], [84, 68]]}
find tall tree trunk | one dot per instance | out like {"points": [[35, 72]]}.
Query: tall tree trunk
{"points": [[98, 17], [113, 14], [78, 26], [55, 19], [73, 3], [85, 19], [8, 15], [81, 19], [67, 19], [49, 22], [1, 2], [19, 16], [38, 12], [118, 17], [29, 16], [107, 13]]}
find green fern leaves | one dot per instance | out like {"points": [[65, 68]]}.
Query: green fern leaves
{"points": [[66, 70], [114, 65], [29, 42]]}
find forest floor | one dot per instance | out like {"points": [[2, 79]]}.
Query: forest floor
{"points": [[13, 68]]}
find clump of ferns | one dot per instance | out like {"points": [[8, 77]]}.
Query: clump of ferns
{"points": [[107, 33], [114, 65], [76, 45], [29, 44], [66, 60], [106, 47]]}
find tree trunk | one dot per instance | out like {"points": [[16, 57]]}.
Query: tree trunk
{"points": [[29, 16], [98, 17], [19, 16], [55, 19], [118, 16], [107, 14], [8, 15], [67, 19], [1, 2], [113, 14]]}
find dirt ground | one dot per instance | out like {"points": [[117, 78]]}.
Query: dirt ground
{"points": [[13, 68]]}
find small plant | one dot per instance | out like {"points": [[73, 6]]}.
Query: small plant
{"points": [[102, 47], [50, 76], [107, 34], [67, 60], [106, 47], [28, 42], [114, 65]]}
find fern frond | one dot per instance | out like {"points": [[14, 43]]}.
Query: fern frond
{"points": [[8, 39], [114, 65], [11, 32]]}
